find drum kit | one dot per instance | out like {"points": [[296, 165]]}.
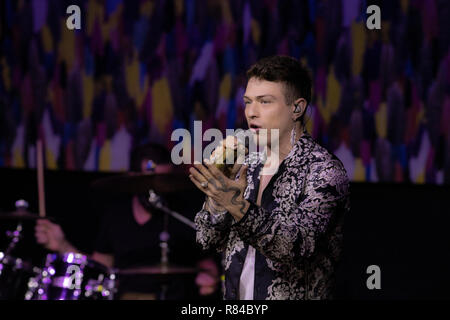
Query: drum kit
{"points": [[74, 276]]}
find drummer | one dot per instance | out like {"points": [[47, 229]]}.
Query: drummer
{"points": [[129, 236]]}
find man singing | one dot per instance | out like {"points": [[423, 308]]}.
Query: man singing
{"points": [[280, 230]]}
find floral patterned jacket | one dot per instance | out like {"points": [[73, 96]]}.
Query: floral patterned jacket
{"points": [[297, 230]]}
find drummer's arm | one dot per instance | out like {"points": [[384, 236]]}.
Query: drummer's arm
{"points": [[103, 258], [52, 237], [66, 246]]}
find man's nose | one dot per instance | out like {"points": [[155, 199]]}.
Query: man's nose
{"points": [[251, 109]]}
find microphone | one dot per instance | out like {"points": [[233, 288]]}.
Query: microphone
{"points": [[232, 147]]}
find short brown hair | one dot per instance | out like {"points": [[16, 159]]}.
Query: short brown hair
{"points": [[287, 70]]}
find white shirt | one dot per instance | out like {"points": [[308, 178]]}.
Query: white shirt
{"points": [[247, 280]]}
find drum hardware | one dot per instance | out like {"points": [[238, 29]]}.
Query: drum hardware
{"points": [[158, 203], [21, 213], [158, 270], [72, 276], [15, 272], [16, 235], [15, 275], [105, 287]]}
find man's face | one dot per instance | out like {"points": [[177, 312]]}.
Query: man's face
{"points": [[266, 108]]}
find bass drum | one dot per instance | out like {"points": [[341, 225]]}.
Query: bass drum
{"points": [[14, 277], [72, 276]]}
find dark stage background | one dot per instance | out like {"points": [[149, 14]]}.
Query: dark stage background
{"points": [[399, 227]]}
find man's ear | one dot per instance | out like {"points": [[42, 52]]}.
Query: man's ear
{"points": [[299, 108]]}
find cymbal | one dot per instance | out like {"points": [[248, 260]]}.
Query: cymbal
{"points": [[20, 215], [159, 269], [134, 183]]}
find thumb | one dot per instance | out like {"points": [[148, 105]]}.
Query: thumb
{"points": [[243, 176]]}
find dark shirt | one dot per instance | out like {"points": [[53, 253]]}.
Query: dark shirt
{"points": [[135, 245]]}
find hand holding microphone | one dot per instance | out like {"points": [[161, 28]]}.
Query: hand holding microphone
{"points": [[216, 178], [229, 156]]}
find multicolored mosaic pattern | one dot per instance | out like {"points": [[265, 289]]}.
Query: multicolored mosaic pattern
{"points": [[137, 70]]}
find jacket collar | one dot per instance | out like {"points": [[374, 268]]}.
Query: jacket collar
{"points": [[300, 151], [296, 157]]}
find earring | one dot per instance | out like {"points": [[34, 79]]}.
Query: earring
{"points": [[293, 136]]}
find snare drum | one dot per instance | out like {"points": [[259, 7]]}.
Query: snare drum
{"points": [[14, 276], [72, 276]]}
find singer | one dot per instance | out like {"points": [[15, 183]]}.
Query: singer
{"points": [[281, 233]]}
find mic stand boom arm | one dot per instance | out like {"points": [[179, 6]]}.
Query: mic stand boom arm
{"points": [[155, 200]]}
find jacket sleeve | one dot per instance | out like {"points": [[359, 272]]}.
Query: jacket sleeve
{"points": [[287, 237], [212, 229]]}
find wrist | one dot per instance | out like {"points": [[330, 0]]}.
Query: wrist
{"points": [[214, 207], [66, 246], [238, 211]]}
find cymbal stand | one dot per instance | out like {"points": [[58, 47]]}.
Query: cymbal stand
{"points": [[16, 235], [164, 237]]}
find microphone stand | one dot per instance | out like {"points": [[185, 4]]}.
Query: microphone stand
{"points": [[164, 236], [156, 200]]}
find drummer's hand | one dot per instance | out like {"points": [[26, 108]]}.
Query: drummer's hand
{"points": [[50, 235], [227, 193], [208, 278]]}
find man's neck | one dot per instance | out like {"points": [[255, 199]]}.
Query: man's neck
{"points": [[285, 145], [140, 214], [275, 157]]}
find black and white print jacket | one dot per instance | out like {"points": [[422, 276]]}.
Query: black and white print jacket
{"points": [[297, 230]]}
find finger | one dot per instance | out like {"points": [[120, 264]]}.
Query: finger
{"points": [[204, 291], [216, 173], [197, 175], [200, 178], [207, 264], [40, 223], [205, 279], [40, 235], [45, 223], [41, 238], [235, 170], [243, 176], [203, 170], [199, 186], [40, 229], [53, 227]]}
